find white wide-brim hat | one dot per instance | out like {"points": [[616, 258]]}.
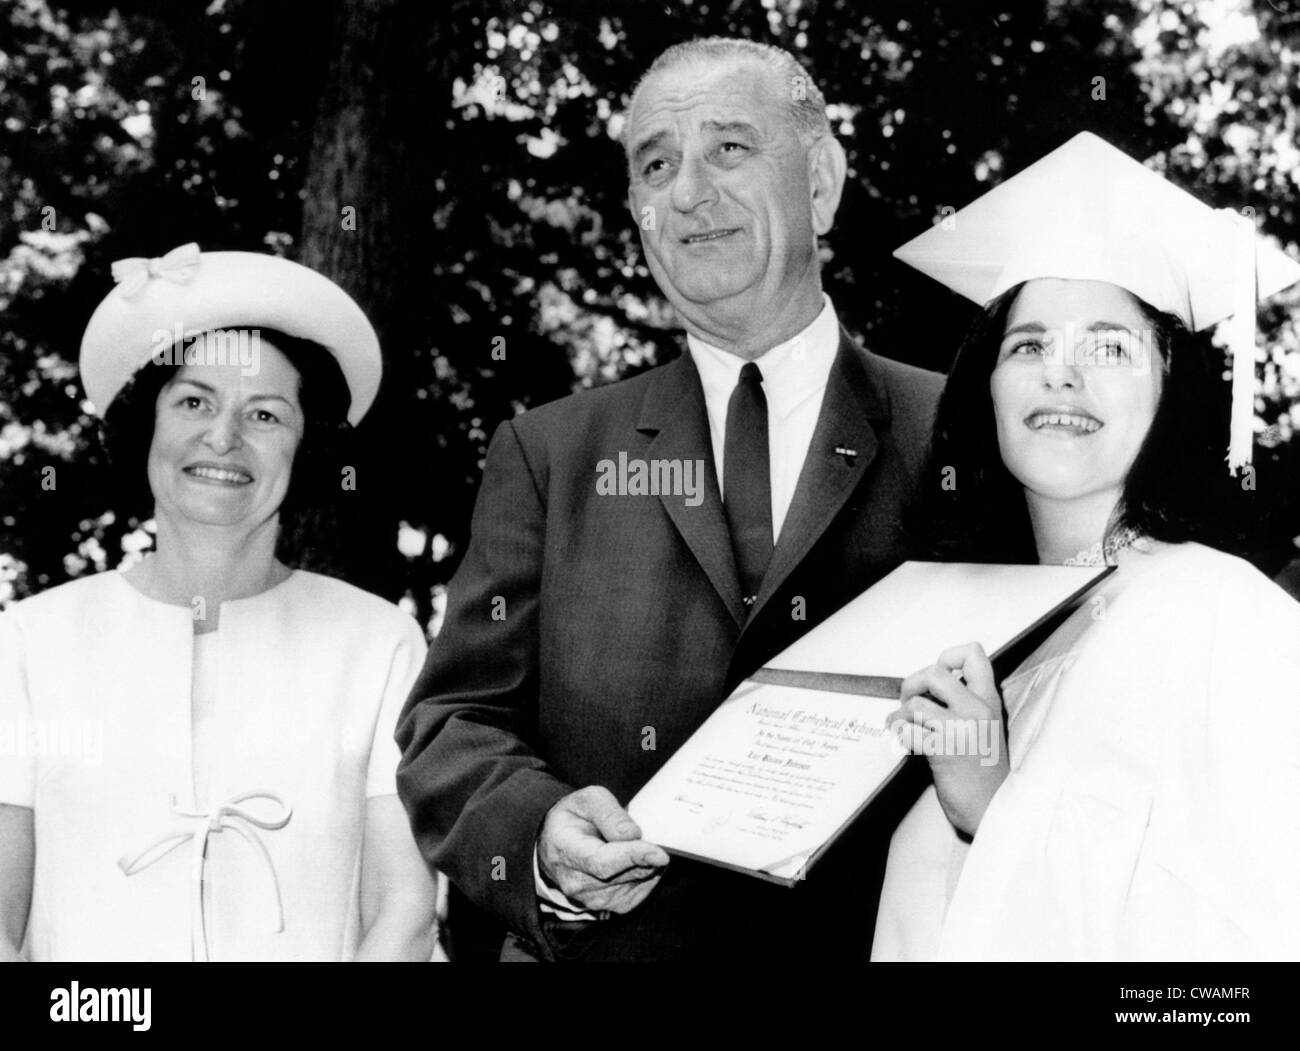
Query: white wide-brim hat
{"points": [[159, 301]]}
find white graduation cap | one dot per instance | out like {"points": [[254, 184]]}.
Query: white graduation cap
{"points": [[1088, 211]]}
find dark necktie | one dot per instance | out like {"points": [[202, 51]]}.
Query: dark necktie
{"points": [[747, 480]]}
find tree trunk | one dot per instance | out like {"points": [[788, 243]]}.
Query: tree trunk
{"points": [[365, 216]]}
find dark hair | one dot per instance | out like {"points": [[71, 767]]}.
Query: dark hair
{"points": [[307, 510], [970, 507]]}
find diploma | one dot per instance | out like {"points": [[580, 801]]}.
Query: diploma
{"points": [[770, 778], [785, 765]]}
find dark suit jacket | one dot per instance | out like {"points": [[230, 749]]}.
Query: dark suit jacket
{"points": [[587, 636]]}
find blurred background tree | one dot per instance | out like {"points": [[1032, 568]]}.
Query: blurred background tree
{"points": [[456, 167]]}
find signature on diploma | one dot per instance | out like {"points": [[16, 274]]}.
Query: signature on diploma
{"points": [[784, 820], [693, 805]]}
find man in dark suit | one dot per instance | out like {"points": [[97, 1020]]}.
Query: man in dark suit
{"points": [[638, 549]]}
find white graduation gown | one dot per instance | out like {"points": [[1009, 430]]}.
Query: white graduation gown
{"points": [[1153, 805]]}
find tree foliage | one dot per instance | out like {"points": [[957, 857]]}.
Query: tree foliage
{"points": [[477, 146]]}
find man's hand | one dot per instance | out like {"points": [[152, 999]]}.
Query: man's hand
{"points": [[592, 850], [952, 714]]}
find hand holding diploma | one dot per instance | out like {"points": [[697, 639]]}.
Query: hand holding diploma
{"points": [[592, 850], [952, 714]]}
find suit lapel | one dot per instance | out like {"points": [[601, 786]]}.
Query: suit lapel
{"points": [[674, 413], [842, 448]]}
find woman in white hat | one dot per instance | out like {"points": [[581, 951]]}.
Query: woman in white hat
{"points": [[208, 769], [1144, 805]]}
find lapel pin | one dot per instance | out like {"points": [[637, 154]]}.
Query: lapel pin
{"points": [[849, 454]]}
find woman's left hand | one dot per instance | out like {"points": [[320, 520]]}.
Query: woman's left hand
{"points": [[952, 714]]}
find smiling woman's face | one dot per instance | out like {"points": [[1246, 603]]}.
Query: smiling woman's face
{"points": [[224, 442], [1075, 388]]}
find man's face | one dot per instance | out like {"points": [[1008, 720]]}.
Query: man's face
{"points": [[720, 190]]}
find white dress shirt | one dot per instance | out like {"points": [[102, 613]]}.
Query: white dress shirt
{"points": [[795, 374], [794, 380]]}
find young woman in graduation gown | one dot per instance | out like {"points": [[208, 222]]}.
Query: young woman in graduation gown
{"points": [[207, 764], [1144, 804]]}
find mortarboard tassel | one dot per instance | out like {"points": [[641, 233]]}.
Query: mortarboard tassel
{"points": [[1239, 334]]}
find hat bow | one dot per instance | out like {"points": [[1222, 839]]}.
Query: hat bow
{"points": [[177, 266]]}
